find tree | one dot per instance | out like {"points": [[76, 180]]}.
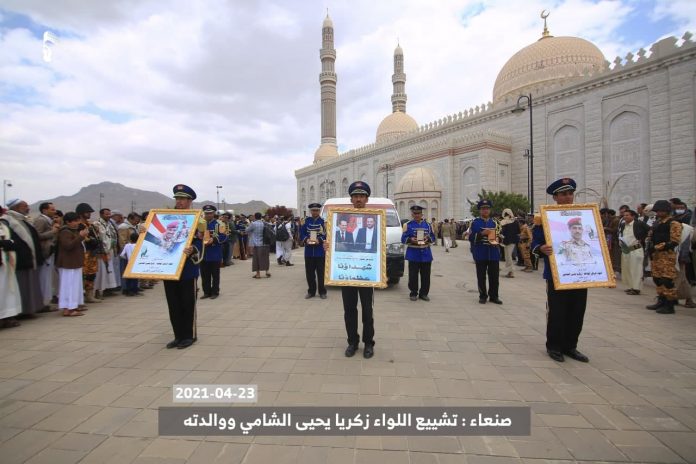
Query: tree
{"points": [[279, 210], [516, 202]]}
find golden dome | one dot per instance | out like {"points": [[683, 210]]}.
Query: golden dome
{"points": [[419, 180], [394, 125], [325, 151], [549, 60]]}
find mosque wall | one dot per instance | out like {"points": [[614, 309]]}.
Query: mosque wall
{"points": [[628, 133]]}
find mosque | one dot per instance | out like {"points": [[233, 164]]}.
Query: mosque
{"points": [[624, 130]]}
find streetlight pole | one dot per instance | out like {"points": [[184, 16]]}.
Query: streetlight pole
{"points": [[217, 189], [517, 110], [5, 183]]}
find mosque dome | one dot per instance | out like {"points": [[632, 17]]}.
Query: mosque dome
{"points": [[418, 180], [325, 151], [547, 61], [394, 125]]}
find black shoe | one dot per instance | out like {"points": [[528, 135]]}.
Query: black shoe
{"points": [[350, 350], [213, 296], [369, 351], [556, 355], [185, 343], [322, 296], [413, 297], [173, 344], [482, 300], [496, 301], [660, 303], [289, 264], [576, 355], [205, 296], [308, 296], [424, 297], [279, 260], [668, 308]]}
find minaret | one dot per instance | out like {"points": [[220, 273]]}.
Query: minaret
{"points": [[399, 81], [327, 79]]}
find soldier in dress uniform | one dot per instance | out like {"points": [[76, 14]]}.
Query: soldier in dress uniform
{"points": [[565, 308], [359, 195], [576, 250], [663, 238], [181, 294], [418, 253], [314, 252], [486, 253], [212, 257]]}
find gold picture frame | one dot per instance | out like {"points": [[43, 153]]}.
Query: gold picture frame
{"points": [[580, 257], [159, 252], [354, 263]]}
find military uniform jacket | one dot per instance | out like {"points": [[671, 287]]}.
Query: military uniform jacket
{"points": [[213, 253], [415, 252], [539, 239], [191, 269], [480, 248], [313, 251]]}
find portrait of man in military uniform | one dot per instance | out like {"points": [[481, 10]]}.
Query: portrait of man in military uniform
{"points": [[576, 251]]}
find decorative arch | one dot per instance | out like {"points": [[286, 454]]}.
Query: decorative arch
{"points": [[626, 161], [434, 209], [567, 151], [471, 186], [312, 198], [303, 199], [344, 187]]}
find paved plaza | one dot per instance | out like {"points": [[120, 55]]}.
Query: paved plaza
{"points": [[87, 389]]}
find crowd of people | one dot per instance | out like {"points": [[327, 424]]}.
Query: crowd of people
{"points": [[65, 262]]}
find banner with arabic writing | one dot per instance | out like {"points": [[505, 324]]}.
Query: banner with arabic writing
{"points": [[357, 248]]}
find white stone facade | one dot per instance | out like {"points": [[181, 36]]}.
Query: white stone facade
{"points": [[627, 133]]}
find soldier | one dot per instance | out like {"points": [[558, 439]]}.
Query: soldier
{"points": [[181, 294], [212, 257], [663, 238], [314, 251], [486, 253], [576, 250], [565, 308], [418, 253], [359, 195]]}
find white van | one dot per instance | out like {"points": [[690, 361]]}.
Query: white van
{"points": [[395, 249]]}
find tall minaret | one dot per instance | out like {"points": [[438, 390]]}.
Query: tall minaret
{"points": [[327, 79], [399, 80]]}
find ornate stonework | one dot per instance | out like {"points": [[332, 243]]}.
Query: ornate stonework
{"points": [[625, 131]]}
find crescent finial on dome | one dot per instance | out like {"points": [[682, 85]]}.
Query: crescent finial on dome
{"points": [[545, 14]]}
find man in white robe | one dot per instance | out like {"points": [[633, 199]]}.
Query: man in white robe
{"points": [[106, 273], [10, 303]]}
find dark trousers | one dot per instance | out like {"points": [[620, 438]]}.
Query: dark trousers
{"points": [[181, 299], [350, 314], [566, 311], [314, 270], [226, 252], [491, 268], [210, 277], [422, 268]]}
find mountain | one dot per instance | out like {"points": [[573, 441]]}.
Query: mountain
{"points": [[127, 199]]}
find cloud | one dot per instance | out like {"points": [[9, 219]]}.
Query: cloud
{"points": [[151, 93]]}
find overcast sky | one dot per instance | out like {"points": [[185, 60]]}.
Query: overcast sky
{"points": [[226, 92]]}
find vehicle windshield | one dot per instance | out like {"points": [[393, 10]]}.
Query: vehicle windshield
{"points": [[392, 217]]}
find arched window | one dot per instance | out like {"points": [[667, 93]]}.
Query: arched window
{"points": [[312, 198], [344, 187], [625, 143], [470, 189], [303, 199], [434, 210]]}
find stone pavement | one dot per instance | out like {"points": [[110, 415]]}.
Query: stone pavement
{"points": [[87, 389]]}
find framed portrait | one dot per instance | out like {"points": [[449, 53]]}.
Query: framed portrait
{"points": [[357, 254], [580, 257], [159, 253]]}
